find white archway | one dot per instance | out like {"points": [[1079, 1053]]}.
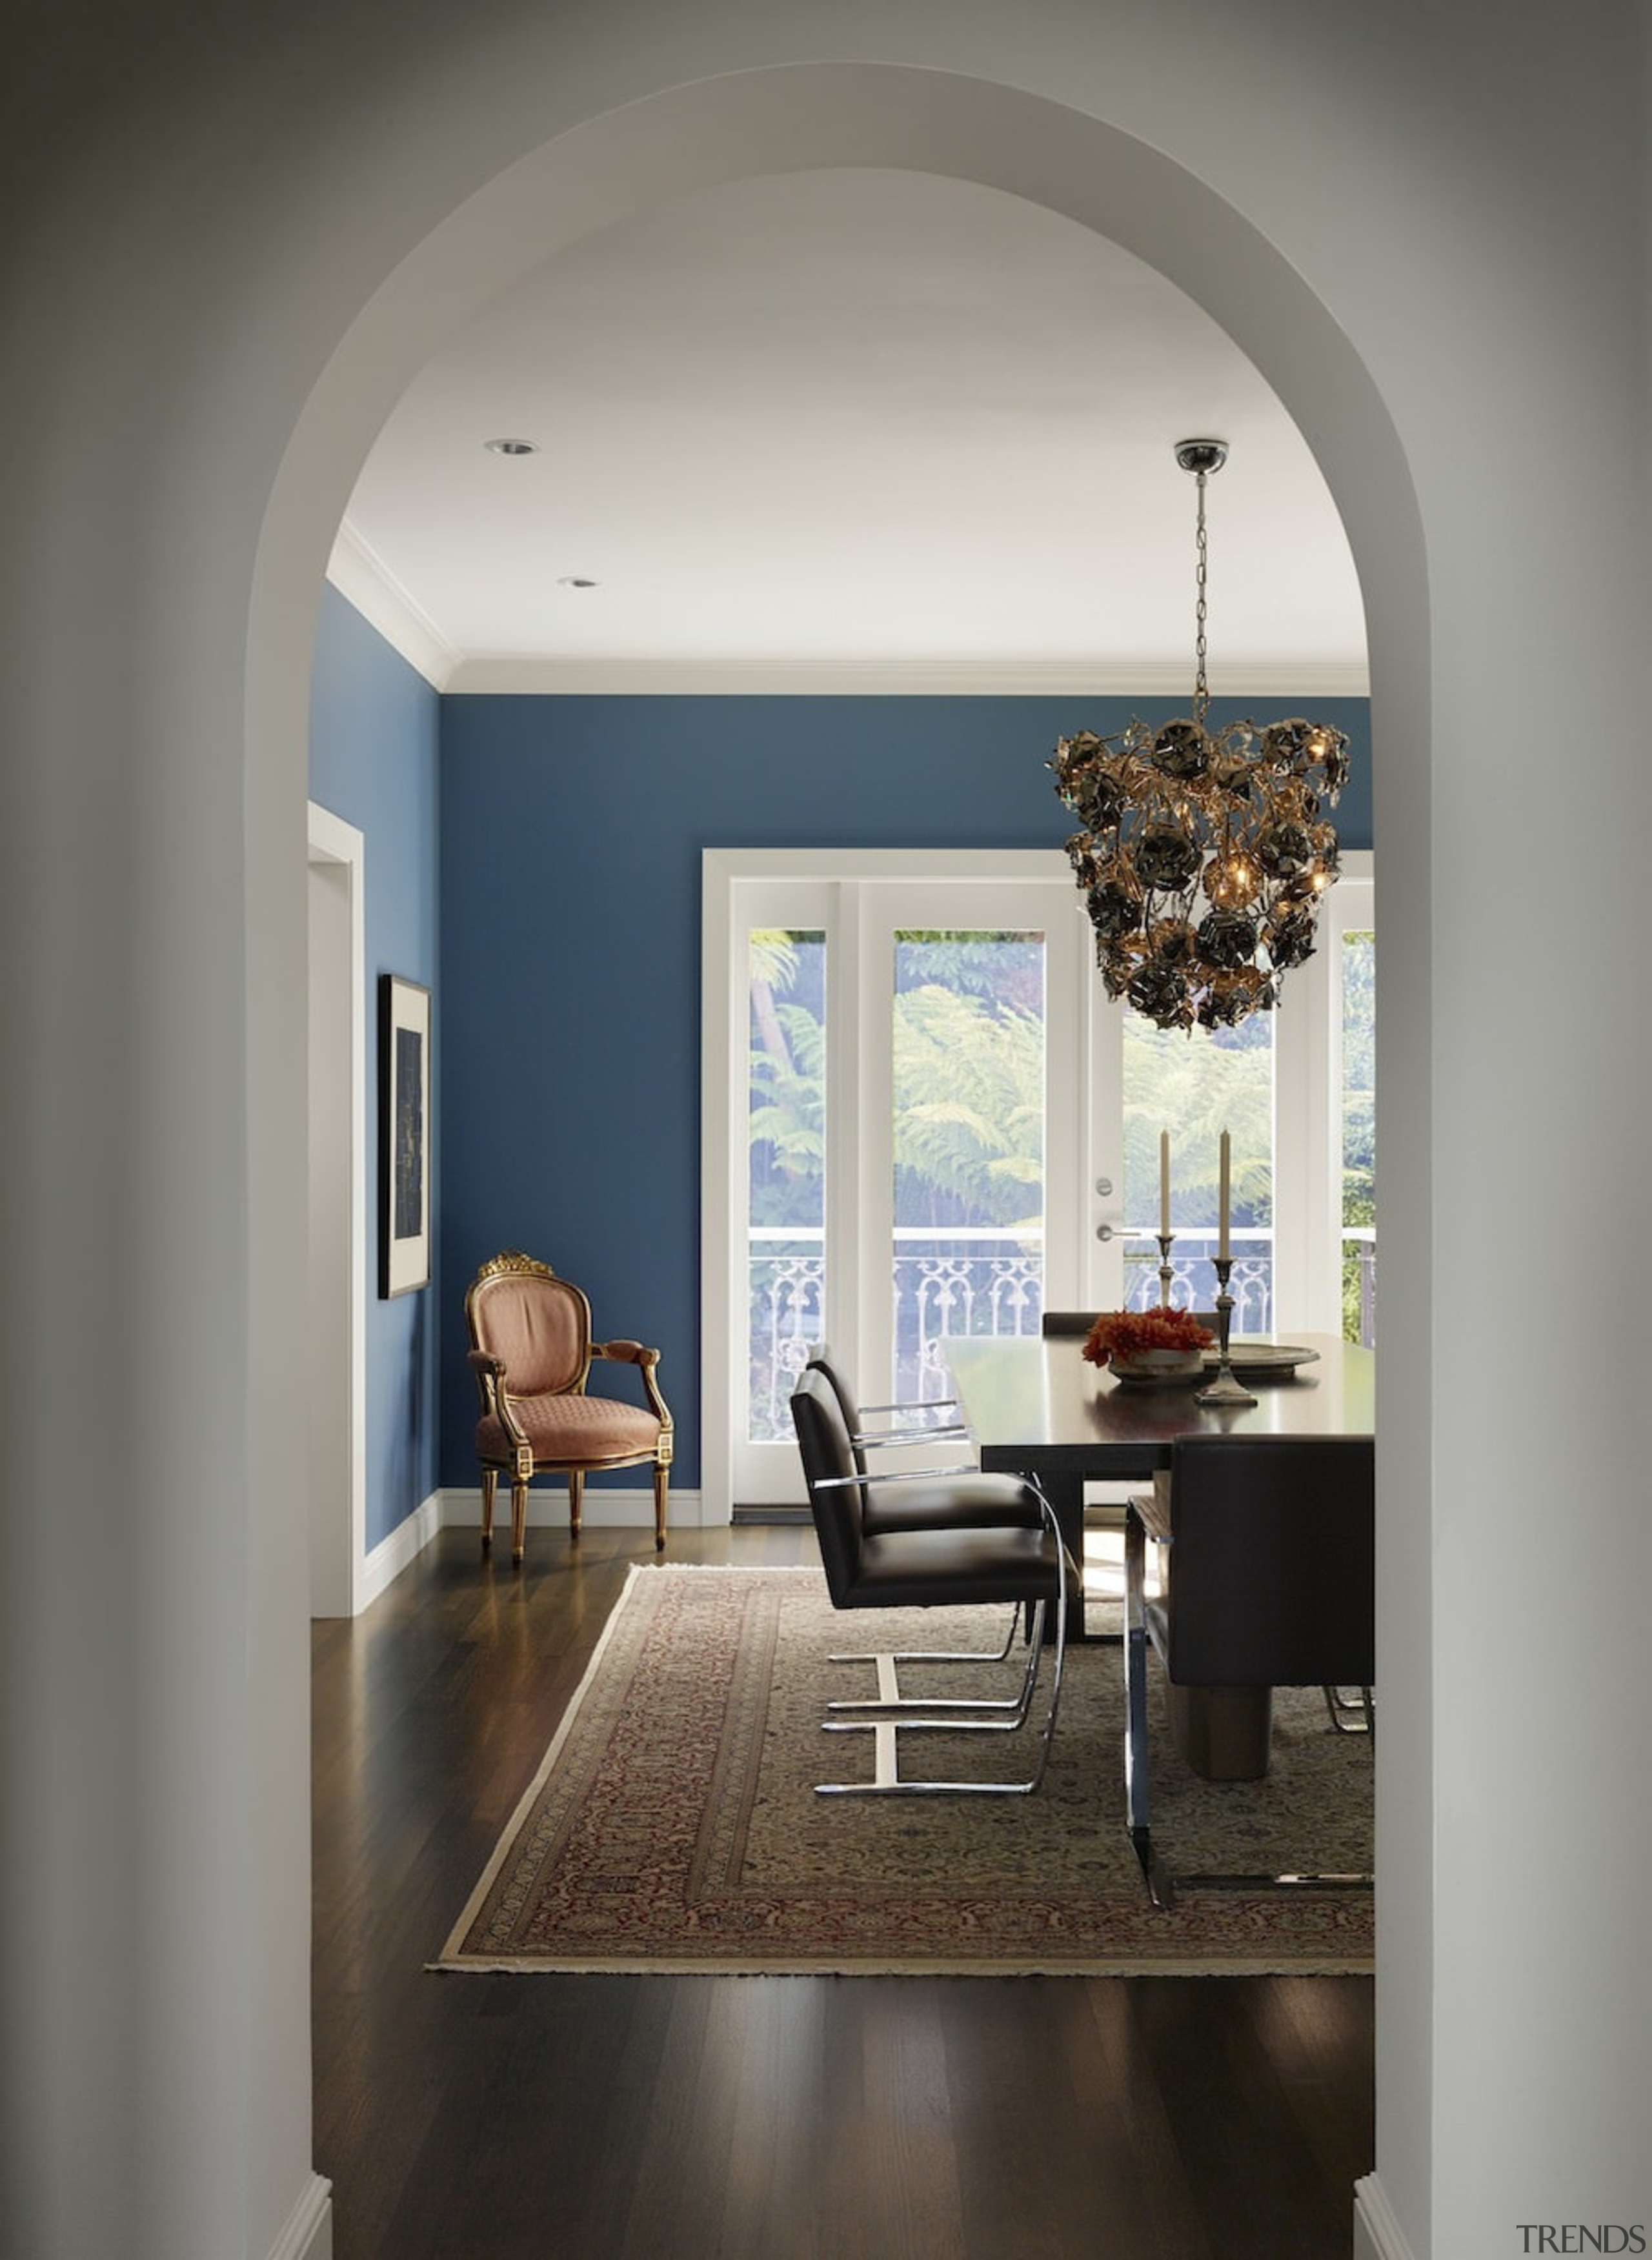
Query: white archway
{"points": [[810, 116], [232, 241]]}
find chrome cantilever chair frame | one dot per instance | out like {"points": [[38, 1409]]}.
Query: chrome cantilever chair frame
{"points": [[959, 1496], [872, 1440], [919, 1431], [1351, 1712], [887, 1661], [892, 1714], [889, 1714]]}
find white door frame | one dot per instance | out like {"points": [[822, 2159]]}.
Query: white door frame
{"points": [[337, 1401], [727, 874], [1308, 1134]]}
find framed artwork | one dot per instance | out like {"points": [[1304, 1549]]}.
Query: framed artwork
{"points": [[403, 1135]]}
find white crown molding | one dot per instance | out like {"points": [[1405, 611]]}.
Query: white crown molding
{"points": [[478, 674], [360, 575]]}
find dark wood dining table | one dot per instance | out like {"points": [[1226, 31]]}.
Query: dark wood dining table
{"points": [[1035, 1406]]}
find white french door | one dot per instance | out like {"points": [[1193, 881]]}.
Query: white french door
{"points": [[922, 1118], [899, 1098], [970, 1117]]}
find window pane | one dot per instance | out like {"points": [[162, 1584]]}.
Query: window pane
{"points": [[786, 1135], [1196, 1086], [969, 1079], [1359, 1137]]}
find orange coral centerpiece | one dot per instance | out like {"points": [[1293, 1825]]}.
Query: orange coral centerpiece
{"points": [[1122, 1336]]}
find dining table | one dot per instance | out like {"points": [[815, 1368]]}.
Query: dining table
{"points": [[1035, 1406]]}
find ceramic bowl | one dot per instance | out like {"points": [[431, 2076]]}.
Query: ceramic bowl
{"points": [[1150, 1368]]}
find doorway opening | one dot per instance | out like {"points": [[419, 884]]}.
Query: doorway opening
{"points": [[336, 1318]]}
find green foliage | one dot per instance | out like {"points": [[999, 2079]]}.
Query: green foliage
{"points": [[786, 1126], [1001, 967], [1359, 1079], [969, 1080], [1359, 1108], [787, 1094], [774, 958], [1196, 1086], [968, 1109]]}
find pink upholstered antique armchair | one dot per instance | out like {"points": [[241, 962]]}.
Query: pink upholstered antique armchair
{"points": [[531, 1352]]}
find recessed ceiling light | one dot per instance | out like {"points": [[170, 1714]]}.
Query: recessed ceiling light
{"points": [[576, 580], [512, 446]]}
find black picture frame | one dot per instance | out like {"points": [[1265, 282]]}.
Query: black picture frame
{"points": [[404, 1136]]}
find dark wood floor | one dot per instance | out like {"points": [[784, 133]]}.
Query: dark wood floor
{"points": [[516, 2118]]}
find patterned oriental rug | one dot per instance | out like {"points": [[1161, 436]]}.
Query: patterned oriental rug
{"points": [[673, 1825]]}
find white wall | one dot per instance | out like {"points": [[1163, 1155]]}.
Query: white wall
{"points": [[230, 254]]}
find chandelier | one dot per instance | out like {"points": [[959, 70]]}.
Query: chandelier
{"points": [[1204, 853]]}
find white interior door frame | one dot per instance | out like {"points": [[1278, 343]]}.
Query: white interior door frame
{"points": [[337, 1397]]}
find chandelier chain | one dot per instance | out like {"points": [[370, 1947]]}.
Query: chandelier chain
{"points": [[1201, 691]]}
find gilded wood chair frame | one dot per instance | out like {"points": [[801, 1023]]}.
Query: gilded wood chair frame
{"points": [[520, 1462]]}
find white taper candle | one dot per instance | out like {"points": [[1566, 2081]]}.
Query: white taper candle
{"points": [[1223, 1251]]}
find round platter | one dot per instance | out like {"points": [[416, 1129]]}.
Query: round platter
{"points": [[1255, 1355]]}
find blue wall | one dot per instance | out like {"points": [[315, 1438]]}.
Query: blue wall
{"points": [[571, 833], [374, 731]]}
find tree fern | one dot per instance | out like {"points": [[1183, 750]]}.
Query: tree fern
{"points": [[969, 1105]]}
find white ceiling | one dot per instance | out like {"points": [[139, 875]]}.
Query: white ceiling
{"points": [[839, 431]]}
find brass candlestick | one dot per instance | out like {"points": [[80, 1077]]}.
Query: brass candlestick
{"points": [[1225, 1389], [1166, 1241]]}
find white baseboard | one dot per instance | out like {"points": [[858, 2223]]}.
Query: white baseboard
{"points": [[391, 1556], [1377, 2235], [629, 1508], [308, 2235]]}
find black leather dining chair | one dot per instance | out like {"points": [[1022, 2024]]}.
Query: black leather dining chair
{"points": [[937, 1566], [926, 1498], [1268, 1581], [936, 1497]]}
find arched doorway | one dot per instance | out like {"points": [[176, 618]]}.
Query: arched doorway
{"points": [[187, 1607], [819, 116]]}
